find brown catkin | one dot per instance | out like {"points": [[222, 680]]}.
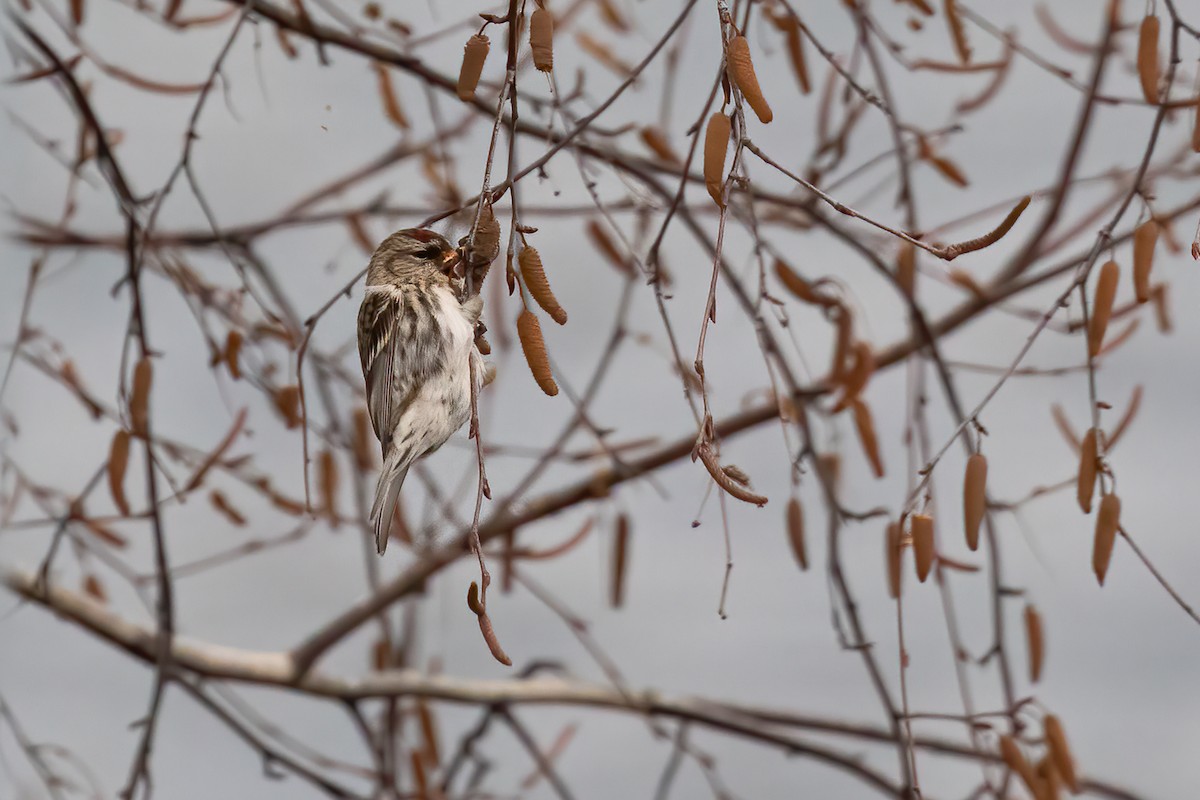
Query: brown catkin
{"points": [[388, 97], [118, 460], [1106, 292], [1196, 130], [657, 141], [906, 268], [866, 434], [139, 400], [1060, 752], [974, 497], [742, 70], [327, 476], [1088, 454], [221, 504], [364, 457], [287, 402], [862, 366], [232, 354], [1108, 519], [619, 560], [1034, 642], [893, 544], [474, 54], [529, 331], [795, 47], [802, 288], [958, 33], [922, 540], [487, 235], [535, 281], [541, 39], [716, 143], [795, 529], [1147, 58], [1145, 237], [1016, 761]]}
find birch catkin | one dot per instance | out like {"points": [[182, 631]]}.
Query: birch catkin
{"points": [[1108, 519], [474, 54], [139, 400], [118, 460], [1086, 485], [716, 142], [529, 331], [535, 281], [866, 434], [541, 39], [974, 497], [1034, 642], [1106, 291], [795, 528], [1060, 752], [922, 539], [742, 70], [892, 545], [1145, 237], [1147, 58]]}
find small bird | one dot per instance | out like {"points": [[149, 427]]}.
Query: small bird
{"points": [[416, 340]]}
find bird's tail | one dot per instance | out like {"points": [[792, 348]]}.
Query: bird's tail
{"points": [[387, 492]]}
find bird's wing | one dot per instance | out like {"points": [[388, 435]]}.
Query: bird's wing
{"points": [[394, 347]]}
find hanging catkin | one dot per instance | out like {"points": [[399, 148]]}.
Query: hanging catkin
{"points": [[742, 70], [529, 331], [474, 54]]}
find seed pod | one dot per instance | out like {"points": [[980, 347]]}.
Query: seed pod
{"points": [[541, 39], [483, 345], [1108, 519], [1051, 784], [974, 497], [607, 247], [233, 350], [529, 331], [619, 559], [1106, 291], [893, 543], [716, 142], [1147, 58], [922, 539], [656, 140], [1034, 642], [118, 460], [535, 281], [795, 528], [328, 481], [139, 402], [1060, 753], [1016, 761], [474, 54], [1145, 237], [866, 434], [742, 70], [1088, 456]]}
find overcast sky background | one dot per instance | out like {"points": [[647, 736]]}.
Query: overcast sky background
{"points": [[1123, 663]]}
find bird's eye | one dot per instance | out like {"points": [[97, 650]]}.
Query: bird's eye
{"points": [[431, 252]]}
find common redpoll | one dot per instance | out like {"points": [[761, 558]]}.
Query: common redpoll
{"points": [[416, 339]]}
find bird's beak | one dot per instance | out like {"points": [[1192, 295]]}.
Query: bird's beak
{"points": [[450, 259]]}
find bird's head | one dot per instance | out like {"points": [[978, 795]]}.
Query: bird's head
{"points": [[412, 255]]}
